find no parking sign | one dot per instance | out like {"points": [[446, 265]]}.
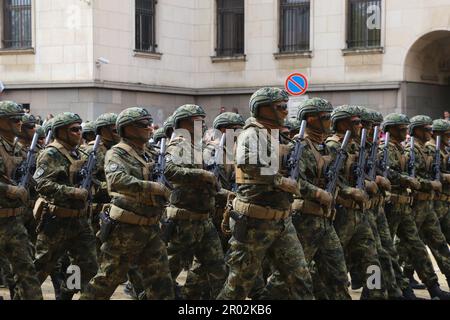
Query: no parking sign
{"points": [[296, 84]]}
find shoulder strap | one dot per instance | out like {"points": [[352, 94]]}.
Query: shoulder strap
{"points": [[58, 146]]}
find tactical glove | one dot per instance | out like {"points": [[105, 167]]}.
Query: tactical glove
{"points": [[371, 187], [413, 183], [436, 185], [324, 198], [287, 185], [157, 189], [15, 193], [79, 194], [383, 183]]}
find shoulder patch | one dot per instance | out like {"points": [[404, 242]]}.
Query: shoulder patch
{"points": [[39, 172], [113, 167]]}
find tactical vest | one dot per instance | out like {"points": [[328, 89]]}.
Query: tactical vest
{"points": [[428, 159], [75, 165], [322, 161], [11, 162], [147, 167], [257, 178], [349, 162]]}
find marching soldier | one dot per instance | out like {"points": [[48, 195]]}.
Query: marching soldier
{"points": [[131, 235], [192, 203], [61, 208], [352, 223], [14, 241], [88, 134], [397, 208], [261, 223]]}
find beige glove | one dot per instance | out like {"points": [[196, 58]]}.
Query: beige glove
{"points": [[383, 183], [371, 187], [14, 193], [324, 198], [436, 185], [206, 176], [359, 196], [79, 194], [446, 178], [157, 189], [413, 183], [287, 185]]}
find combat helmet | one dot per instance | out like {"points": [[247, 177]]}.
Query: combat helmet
{"points": [[40, 131], [228, 119], [187, 111], [343, 112], [168, 126], [313, 105], [394, 119], [266, 96], [10, 109], [419, 121], [131, 115], [441, 125], [104, 120], [28, 119], [64, 119], [158, 135]]}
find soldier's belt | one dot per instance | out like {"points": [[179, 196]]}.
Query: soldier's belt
{"points": [[11, 212], [422, 196], [311, 208], [350, 204], [183, 214], [376, 201], [443, 197], [124, 216], [148, 201], [61, 212], [259, 212]]}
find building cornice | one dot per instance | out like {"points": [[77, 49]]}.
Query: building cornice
{"points": [[138, 87]]}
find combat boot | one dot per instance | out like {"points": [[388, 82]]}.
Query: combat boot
{"points": [[416, 285], [408, 294], [436, 293]]}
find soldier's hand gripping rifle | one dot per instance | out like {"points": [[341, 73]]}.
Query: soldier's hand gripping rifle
{"points": [[437, 160], [361, 164], [29, 165], [87, 171], [218, 159], [372, 161], [296, 154], [158, 171], [385, 160], [333, 171], [412, 160]]}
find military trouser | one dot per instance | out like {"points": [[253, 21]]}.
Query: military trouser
{"points": [[15, 248], [389, 277], [442, 209], [278, 242], [358, 241], [401, 223], [430, 232], [199, 239], [71, 236], [324, 255], [130, 246]]}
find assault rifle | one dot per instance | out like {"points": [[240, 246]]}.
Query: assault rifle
{"points": [[412, 160], [385, 159], [437, 160], [29, 165], [332, 173], [87, 170], [296, 154], [158, 171], [361, 164], [372, 161]]}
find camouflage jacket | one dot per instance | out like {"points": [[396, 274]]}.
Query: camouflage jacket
{"points": [[430, 147], [56, 175], [100, 191], [422, 165], [397, 172], [10, 159], [182, 163], [128, 173], [226, 171], [262, 167], [313, 164]]}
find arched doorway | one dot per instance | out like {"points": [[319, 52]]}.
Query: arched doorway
{"points": [[426, 89]]}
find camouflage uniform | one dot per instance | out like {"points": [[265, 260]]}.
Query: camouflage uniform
{"points": [[14, 241], [377, 220], [88, 134], [192, 203], [314, 222], [61, 210], [264, 228], [427, 221], [352, 219], [397, 208], [136, 206]]}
